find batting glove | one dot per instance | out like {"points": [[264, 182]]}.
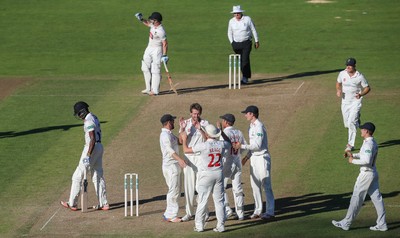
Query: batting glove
{"points": [[139, 16], [164, 58], [86, 161]]}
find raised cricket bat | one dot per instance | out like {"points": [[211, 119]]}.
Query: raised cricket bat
{"points": [[84, 194]]}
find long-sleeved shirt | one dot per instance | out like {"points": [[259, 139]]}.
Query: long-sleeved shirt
{"points": [[367, 156], [169, 146], [258, 139], [241, 30]]}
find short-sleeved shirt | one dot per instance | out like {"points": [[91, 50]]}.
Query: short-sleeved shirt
{"points": [[169, 146], [157, 36], [351, 85], [91, 123], [211, 152]]}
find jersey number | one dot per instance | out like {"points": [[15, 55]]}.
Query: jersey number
{"points": [[215, 160]]}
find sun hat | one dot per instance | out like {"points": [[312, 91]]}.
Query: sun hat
{"points": [[211, 131], [237, 9]]}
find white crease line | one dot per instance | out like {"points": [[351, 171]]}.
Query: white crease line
{"points": [[49, 219], [298, 88]]}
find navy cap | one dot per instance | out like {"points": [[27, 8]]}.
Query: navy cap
{"points": [[368, 126], [252, 109], [228, 117], [167, 117], [351, 62]]}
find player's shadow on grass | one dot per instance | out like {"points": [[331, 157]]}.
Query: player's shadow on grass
{"points": [[389, 143], [11, 134], [302, 206], [252, 82]]}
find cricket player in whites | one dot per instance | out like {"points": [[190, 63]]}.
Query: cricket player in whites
{"points": [[192, 128], [172, 166], [351, 86], [210, 177], [155, 53], [91, 158], [260, 165], [232, 166], [367, 182]]}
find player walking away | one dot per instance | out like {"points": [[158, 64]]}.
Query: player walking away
{"points": [[171, 166], [192, 128], [260, 164], [351, 86], [210, 177], [155, 53], [240, 31], [367, 182], [91, 159], [232, 167]]}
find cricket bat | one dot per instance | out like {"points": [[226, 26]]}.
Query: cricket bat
{"points": [[84, 194], [171, 84]]}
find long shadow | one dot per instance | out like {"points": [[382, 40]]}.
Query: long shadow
{"points": [[253, 82], [389, 143], [10, 134], [306, 205]]}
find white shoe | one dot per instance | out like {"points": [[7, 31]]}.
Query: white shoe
{"points": [[145, 91], [229, 213], [187, 218], [198, 230], [254, 216], [349, 148], [379, 228], [340, 225], [219, 228]]}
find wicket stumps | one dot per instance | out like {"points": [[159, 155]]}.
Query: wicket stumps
{"points": [[129, 177], [235, 60]]}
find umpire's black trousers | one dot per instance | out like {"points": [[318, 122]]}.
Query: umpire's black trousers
{"points": [[244, 49]]}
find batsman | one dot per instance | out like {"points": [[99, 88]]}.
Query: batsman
{"points": [[91, 159], [155, 53]]}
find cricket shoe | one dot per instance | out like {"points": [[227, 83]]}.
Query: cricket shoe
{"points": [[349, 148], [173, 220], [267, 217], [255, 216], [340, 225], [105, 207], [379, 228], [198, 229], [187, 218], [145, 91], [220, 228], [229, 213], [66, 205]]}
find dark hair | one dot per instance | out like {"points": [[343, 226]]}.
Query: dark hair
{"points": [[197, 107]]}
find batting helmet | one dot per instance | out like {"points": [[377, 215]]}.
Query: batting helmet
{"points": [[81, 109], [156, 16]]}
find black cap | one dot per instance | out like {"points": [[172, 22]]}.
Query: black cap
{"points": [[167, 117], [368, 126], [351, 62], [252, 109], [156, 16], [228, 117]]}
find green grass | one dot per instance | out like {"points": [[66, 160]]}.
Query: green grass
{"points": [[91, 50]]}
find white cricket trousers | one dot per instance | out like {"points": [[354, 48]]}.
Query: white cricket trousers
{"points": [[210, 182], [96, 169], [172, 175], [260, 178], [351, 118], [189, 179], [151, 67], [233, 170], [367, 182]]}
